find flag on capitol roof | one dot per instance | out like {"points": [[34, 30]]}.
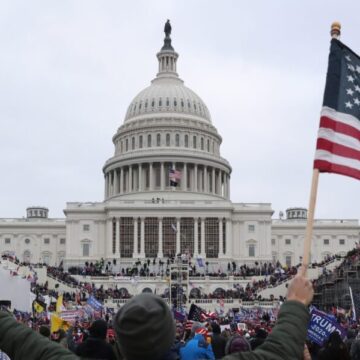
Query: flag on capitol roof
{"points": [[338, 143]]}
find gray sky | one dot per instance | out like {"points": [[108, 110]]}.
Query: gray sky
{"points": [[69, 69]]}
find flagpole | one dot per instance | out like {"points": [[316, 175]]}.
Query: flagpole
{"points": [[310, 218], [335, 33]]}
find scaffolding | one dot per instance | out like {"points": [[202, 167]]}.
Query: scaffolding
{"points": [[179, 283]]}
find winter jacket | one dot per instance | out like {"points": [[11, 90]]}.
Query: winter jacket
{"points": [[287, 338], [218, 343], [95, 348], [23, 343], [197, 349]]}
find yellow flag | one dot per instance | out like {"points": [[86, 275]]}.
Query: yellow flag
{"points": [[59, 304], [58, 323], [38, 308]]}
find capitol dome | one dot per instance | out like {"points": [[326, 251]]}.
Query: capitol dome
{"points": [[167, 127]]}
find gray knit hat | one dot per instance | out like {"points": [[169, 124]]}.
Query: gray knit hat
{"points": [[144, 328]]}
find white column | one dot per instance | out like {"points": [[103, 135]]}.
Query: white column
{"points": [[142, 238], [117, 242], [184, 178], [228, 252], [162, 177], [160, 246], [121, 180], [196, 236], [219, 182], [221, 247], [213, 181], [109, 237], [151, 177], [195, 189], [135, 241], [203, 252], [130, 178], [228, 186], [177, 236], [141, 187], [115, 182], [206, 180]]}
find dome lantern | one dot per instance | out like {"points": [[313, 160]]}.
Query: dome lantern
{"points": [[167, 56]]}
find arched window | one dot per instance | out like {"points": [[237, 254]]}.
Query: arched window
{"points": [[208, 145], [133, 143], [149, 140], [140, 141], [202, 143], [121, 147], [182, 103], [160, 102], [186, 141], [175, 103], [146, 104], [140, 105], [167, 102], [126, 145], [177, 140], [158, 140], [167, 139], [153, 103], [194, 142]]}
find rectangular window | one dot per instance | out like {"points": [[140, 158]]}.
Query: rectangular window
{"points": [[326, 241], [287, 241], [62, 241], [288, 261], [7, 241], [342, 241], [86, 227], [47, 241], [86, 249], [251, 228], [251, 250], [187, 236], [169, 236], [273, 242], [151, 237], [212, 237], [126, 237]]}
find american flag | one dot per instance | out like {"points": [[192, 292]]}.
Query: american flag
{"points": [[338, 144], [174, 177], [196, 313]]}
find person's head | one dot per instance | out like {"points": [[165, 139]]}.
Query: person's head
{"points": [[44, 331], [237, 343], [98, 329], [215, 328], [144, 328]]}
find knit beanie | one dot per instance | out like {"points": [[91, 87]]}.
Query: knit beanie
{"points": [[98, 329], [237, 343], [145, 328]]}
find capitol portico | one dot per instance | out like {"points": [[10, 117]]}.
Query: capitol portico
{"points": [[167, 192]]}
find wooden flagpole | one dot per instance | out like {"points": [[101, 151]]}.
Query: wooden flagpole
{"points": [[335, 33], [310, 218]]}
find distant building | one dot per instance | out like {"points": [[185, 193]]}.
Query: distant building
{"points": [[167, 192]]}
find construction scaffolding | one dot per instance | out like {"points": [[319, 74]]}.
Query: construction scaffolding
{"points": [[179, 283]]}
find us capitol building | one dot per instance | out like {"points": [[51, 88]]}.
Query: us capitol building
{"points": [[167, 192]]}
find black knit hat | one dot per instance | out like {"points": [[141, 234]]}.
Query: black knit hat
{"points": [[144, 328]]}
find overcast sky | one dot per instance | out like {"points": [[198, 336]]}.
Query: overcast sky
{"points": [[69, 69]]}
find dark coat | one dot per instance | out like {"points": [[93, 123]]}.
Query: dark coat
{"points": [[95, 348], [218, 343]]}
